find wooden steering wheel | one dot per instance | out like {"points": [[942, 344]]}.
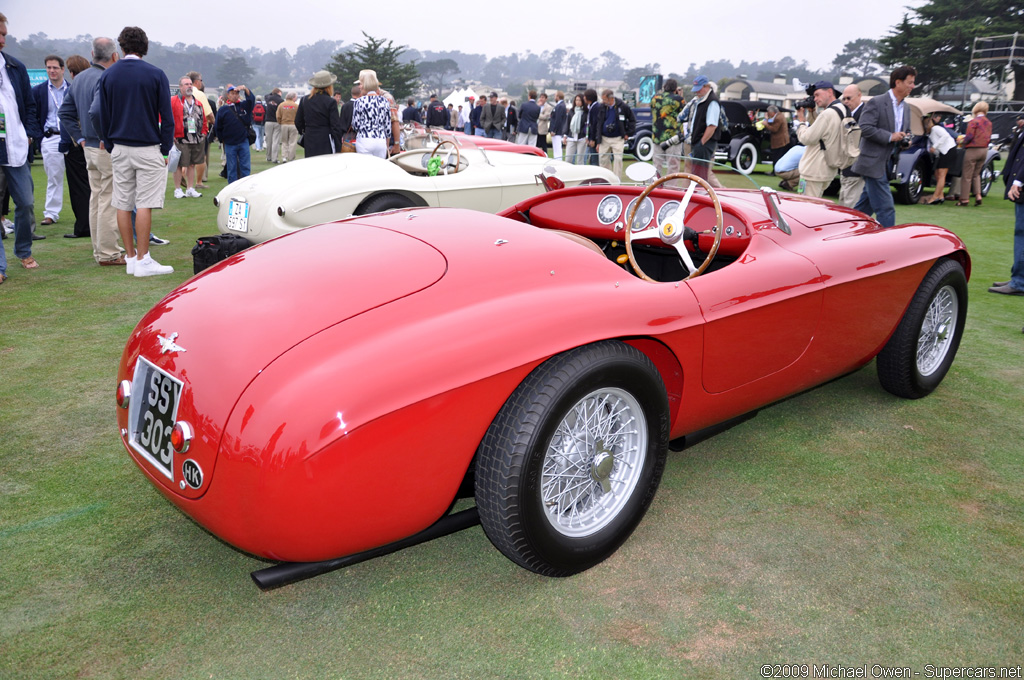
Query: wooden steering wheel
{"points": [[448, 156], [673, 232]]}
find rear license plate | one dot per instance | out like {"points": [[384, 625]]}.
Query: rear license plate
{"points": [[154, 410], [238, 216]]}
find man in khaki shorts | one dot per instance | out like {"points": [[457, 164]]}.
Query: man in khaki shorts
{"points": [[132, 113]]}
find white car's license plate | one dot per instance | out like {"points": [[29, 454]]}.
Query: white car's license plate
{"points": [[238, 216], [154, 410]]}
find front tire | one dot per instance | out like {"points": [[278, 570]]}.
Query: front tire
{"points": [[644, 149], [746, 158], [572, 461], [920, 352], [910, 191]]}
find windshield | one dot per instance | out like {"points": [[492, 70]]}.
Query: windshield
{"points": [[415, 136]]}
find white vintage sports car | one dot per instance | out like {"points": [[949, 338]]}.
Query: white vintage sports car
{"points": [[449, 172]]}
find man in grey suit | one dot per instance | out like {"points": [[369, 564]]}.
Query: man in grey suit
{"points": [[492, 119], [880, 134]]}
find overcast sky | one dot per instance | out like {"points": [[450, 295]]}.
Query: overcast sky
{"points": [[672, 34]]}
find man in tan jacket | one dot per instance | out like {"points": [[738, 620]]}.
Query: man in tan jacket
{"points": [[289, 134], [825, 132]]}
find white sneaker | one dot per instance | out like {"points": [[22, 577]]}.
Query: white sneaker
{"points": [[150, 267], [178, 193], [129, 267], [192, 193]]}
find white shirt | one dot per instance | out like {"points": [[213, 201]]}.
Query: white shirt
{"points": [[17, 137]]}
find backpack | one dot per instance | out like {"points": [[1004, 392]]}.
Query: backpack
{"points": [[258, 113], [843, 154]]}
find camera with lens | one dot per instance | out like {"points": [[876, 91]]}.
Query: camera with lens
{"points": [[805, 103], [907, 141]]}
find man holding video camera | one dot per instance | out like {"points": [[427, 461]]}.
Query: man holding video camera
{"points": [[824, 132], [885, 126]]}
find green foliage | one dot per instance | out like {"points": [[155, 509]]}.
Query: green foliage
{"points": [[435, 73], [859, 57], [379, 55], [937, 38], [235, 70]]}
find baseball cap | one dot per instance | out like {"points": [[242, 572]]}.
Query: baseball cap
{"points": [[821, 85], [699, 82]]}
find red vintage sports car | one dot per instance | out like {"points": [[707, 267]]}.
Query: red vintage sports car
{"points": [[539, 360]]}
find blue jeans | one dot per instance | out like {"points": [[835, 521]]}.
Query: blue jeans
{"points": [[259, 137], [468, 128], [1017, 271], [493, 133], [877, 198], [237, 160], [19, 181], [479, 132]]}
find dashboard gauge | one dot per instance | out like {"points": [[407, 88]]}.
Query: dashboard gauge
{"points": [[644, 214], [609, 209], [667, 209]]}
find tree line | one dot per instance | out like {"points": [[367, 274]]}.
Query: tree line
{"points": [[935, 38]]}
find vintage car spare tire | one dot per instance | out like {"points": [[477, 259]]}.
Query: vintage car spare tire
{"points": [[920, 352], [909, 192], [573, 459]]}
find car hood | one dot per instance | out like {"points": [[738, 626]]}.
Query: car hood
{"points": [[230, 322]]}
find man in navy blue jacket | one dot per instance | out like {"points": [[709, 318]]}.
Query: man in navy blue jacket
{"points": [[21, 128], [134, 121], [1013, 175], [232, 128]]}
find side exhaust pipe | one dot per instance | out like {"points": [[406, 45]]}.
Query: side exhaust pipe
{"points": [[290, 572]]}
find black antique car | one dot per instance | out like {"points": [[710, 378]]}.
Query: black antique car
{"points": [[640, 144], [743, 145]]}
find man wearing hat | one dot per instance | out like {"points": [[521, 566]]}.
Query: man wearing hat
{"points": [[704, 132], [232, 128], [883, 125], [823, 133]]}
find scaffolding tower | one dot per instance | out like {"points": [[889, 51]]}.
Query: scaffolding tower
{"points": [[996, 49]]}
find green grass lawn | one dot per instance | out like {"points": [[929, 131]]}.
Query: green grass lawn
{"points": [[841, 526]]}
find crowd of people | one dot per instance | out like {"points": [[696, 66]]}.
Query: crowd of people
{"points": [[110, 128]]}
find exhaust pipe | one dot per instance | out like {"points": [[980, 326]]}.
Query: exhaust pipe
{"points": [[290, 572]]}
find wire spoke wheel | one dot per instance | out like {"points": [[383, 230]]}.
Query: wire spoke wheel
{"points": [[571, 462], [593, 462], [937, 331]]}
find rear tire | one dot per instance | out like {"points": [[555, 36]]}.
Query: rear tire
{"points": [[920, 352], [382, 203], [572, 461]]}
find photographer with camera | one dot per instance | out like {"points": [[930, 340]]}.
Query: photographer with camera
{"points": [[823, 133], [885, 125]]}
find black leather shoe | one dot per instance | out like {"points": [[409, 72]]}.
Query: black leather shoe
{"points": [[37, 237], [76, 235], [1000, 284]]}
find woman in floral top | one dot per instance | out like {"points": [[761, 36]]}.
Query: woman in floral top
{"points": [[371, 117]]}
